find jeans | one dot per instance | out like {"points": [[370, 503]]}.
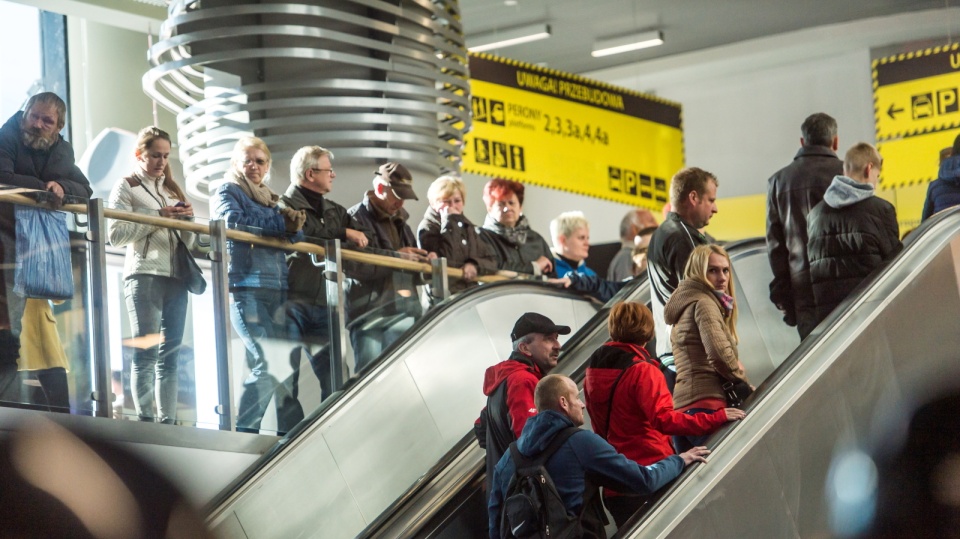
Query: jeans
{"points": [[309, 326], [686, 443], [257, 314], [157, 306]]}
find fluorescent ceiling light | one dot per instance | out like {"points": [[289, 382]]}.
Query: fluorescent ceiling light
{"points": [[510, 36], [616, 45]]}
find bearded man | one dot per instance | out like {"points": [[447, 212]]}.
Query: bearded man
{"points": [[35, 156]]}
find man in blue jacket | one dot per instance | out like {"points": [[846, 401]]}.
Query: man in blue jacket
{"points": [[584, 457]]}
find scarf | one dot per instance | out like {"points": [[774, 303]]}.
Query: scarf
{"points": [[261, 194], [726, 301], [516, 235]]}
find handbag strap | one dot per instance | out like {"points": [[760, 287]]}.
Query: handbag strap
{"points": [[643, 359]]}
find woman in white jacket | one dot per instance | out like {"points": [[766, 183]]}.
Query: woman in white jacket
{"points": [[156, 301]]}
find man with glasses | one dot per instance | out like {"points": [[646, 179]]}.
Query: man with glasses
{"points": [[311, 179], [385, 295], [851, 232], [33, 155]]}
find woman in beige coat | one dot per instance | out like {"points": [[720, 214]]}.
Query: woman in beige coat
{"points": [[703, 313], [41, 354]]}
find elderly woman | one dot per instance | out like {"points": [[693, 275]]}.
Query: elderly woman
{"points": [[156, 300], [629, 403], [257, 275], [571, 245], [445, 230], [517, 246], [703, 313]]}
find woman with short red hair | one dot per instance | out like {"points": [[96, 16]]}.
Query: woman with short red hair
{"points": [[518, 247], [629, 403]]}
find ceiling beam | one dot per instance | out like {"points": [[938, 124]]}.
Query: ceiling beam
{"points": [[126, 14]]}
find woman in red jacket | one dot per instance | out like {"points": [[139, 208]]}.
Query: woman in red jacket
{"points": [[629, 403]]}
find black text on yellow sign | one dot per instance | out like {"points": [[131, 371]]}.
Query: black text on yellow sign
{"points": [[917, 92], [561, 131]]}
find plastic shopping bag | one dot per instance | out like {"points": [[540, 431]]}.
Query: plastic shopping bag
{"points": [[43, 266]]}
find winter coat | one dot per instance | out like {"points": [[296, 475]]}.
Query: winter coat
{"points": [[852, 232], [517, 248], [40, 346], [670, 247], [24, 167], [251, 265], [377, 287], [331, 223], [456, 239], [642, 417], [705, 353], [791, 193], [562, 267], [584, 456], [150, 249], [944, 192]]}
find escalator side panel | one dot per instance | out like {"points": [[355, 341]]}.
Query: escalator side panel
{"points": [[409, 413], [854, 391]]}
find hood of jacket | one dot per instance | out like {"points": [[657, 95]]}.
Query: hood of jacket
{"points": [[603, 368], [540, 430], [687, 292], [845, 191], [950, 170], [496, 374]]}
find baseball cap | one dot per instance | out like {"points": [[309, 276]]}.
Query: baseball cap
{"points": [[400, 179], [536, 323]]}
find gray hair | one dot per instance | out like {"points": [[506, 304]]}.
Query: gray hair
{"points": [[526, 339]]}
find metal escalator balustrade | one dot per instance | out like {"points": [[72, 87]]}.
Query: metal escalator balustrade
{"points": [[389, 427], [890, 347], [444, 505]]}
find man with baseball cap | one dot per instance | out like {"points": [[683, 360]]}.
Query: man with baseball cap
{"points": [[509, 385], [373, 288]]}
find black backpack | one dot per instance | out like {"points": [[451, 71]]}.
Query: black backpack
{"points": [[532, 507]]}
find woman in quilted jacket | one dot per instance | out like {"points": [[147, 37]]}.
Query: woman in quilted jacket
{"points": [[703, 313], [156, 301]]}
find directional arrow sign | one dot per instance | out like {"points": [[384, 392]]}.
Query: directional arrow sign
{"points": [[917, 93]]}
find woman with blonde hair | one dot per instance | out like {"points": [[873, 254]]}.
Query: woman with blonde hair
{"points": [[257, 275], [445, 230], [629, 403], [156, 299], [703, 313]]}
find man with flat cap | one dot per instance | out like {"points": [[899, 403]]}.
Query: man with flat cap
{"points": [[377, 292], [509, 385]]}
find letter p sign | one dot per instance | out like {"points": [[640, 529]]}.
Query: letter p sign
{"points": [[947, 101]]}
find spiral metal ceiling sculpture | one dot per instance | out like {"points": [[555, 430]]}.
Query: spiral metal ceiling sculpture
{"points": [[373, 79]]}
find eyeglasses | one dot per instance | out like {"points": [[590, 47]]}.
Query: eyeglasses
{"points": [[330, 170], [258, 162]]}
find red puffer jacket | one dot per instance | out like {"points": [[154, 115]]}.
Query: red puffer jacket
{"points": [[643, 414]]}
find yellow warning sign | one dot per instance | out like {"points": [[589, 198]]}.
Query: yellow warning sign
{"points": [[562, 131], [917, 92], [913, 160]]}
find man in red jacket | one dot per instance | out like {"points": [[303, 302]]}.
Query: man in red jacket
{"points": [[509, 385]]}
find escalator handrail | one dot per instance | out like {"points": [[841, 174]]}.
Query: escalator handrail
{"points": [[926, 241]]}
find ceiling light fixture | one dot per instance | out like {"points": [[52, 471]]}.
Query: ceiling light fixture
{"points": [[632, 42], [508, 37]]}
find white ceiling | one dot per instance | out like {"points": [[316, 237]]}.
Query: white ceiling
{"points": [[688, 25]]}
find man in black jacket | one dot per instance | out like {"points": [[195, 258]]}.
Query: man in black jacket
{"points": [[791, 193], [851, 231], [693, 196], [311, 178], [32, 155], [385, 294]]}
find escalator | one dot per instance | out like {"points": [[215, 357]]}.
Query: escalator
{"points": [[844, 396], [340, 468], [449, 502]]}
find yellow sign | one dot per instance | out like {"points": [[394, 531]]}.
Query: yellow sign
{"points": [[562, 131], [917, 92], [913, 160]]}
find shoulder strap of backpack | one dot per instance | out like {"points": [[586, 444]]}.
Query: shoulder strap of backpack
{"points": [[523, 462]]}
